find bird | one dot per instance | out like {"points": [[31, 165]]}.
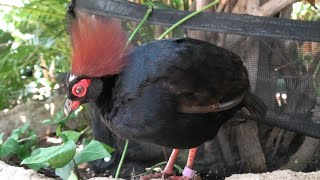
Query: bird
{"points": [[175, 92]]}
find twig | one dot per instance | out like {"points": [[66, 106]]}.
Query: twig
{"points": [[272, 7], [222, 5], [187, 18]]}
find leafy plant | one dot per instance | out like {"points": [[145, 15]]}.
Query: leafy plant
{"points": [[60, 118], [35, 38], [20, 143], [65, 158]]}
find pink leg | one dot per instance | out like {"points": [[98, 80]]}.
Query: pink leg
{"points": [[168, 170], [173, 158], [191, 156], [188, 173]]}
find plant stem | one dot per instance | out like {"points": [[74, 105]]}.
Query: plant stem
{"points": [[141, 23], [122, 158], [76, 169], [187, 18]]}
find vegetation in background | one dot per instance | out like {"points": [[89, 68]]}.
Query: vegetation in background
{"points": [[34, 44], [21, 142], [34, 47]]}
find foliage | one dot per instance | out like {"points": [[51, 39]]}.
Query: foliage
{"points": [[60, 118], [65, 157], [306, 11], [35, 39], [20, 143]]}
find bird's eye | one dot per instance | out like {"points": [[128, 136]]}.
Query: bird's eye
{"points": [[79, 90]]}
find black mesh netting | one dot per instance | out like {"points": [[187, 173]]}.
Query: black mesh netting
{"points": [[283, 60]]}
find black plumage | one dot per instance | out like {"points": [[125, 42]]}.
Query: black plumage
{"points": [[175, 92]]}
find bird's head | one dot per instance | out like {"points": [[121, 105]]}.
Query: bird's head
{"points": [[81, 90], [99, 49]]}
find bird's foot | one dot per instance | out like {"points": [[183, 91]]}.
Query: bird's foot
{"points": [[163, 176], [187, 175]]}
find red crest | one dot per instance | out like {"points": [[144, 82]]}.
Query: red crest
{"points": [[99, 46]]}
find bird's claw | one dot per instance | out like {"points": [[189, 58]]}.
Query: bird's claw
{"points": [[163, 176]]}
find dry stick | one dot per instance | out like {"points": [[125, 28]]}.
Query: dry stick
{"points": [[272, 7], [222, 5]]}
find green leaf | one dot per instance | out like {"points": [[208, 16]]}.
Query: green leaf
{"points": [[72, 135], [9, 146], [72, 176], [58, 130], [1, 138], [56, 156], [93, 151], [19, 131], [36, 167], [60, 134], [65, 171], [108, 148], [85, 141]]}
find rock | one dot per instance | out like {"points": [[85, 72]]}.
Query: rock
{"points": [[277, 175], [32, 112], [17, 173]]}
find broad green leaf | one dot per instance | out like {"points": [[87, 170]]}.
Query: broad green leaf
{"points": [[72, 135], [93, 151], [65, 171], [56, 156], [36, 167], [9, 146]]}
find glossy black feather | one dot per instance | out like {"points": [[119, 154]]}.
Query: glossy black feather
{"points": [[145, 100]]}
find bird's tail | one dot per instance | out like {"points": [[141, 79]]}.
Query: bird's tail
{"points": [[254, 105]]}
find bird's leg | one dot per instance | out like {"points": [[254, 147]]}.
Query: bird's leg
{"points": [[188, 172], [168, 170]]}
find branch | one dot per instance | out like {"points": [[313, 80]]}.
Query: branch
{"points": [[272, 7]]}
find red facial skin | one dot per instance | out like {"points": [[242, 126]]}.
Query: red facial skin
{"points": [[79, 90]]}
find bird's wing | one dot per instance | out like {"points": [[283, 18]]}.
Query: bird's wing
{"points": [[201, 77], [206, 78], [194, 108]]}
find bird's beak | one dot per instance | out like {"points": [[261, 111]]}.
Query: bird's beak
{"points": [[70, 106]]}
